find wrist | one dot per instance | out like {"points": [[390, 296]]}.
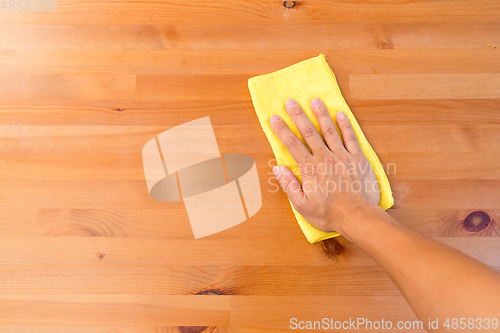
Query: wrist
{"points": [[357, 219]]}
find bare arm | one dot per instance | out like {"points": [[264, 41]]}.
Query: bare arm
{"points": [[436, 280]]}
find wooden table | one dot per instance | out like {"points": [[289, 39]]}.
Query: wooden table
{"points": [[83, 248]]}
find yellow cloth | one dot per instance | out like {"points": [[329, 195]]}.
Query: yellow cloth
{"points": [[303, 81]]}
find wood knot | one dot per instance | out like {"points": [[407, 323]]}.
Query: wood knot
{"points": [[197, 329], [209, 292], [289, 4], [119, 110], [101, 256], [333, 247], [470, 223], [386, 45], [476, 221], [201, 329]]}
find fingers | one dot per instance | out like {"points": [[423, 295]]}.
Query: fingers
{"points": [[290, 185], [304, 125], [327, 126], [295, 147], [350, 140]]}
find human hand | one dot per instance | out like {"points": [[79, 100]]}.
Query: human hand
{"points": [[336, 179]]}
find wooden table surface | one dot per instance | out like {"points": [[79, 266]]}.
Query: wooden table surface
{"points": [[83, 248]]}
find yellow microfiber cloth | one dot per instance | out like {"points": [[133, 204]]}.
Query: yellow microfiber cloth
{"points": [[303, 81]]}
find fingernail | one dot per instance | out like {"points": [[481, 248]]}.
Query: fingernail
{"points": [[277, 171], [341, 115], [290, 102], [316, 103], [275, 118]]}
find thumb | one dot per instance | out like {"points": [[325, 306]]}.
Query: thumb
{"points": [[290, 184]]}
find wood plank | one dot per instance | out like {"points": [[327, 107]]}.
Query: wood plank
{"points": [[446, 194], [340, 36], [77, 329], [274, 220], [400, 166], [180, 87], [333, 280], [88, 329], [412, 166], [101, 194], [149, 251], [67, 86], [108, 223], [77, 139], [43, 310], [425, 86], [251, 62], [460, 138], [446, 222], [442, 138], [172, 113], [426, 112], [79, 194], [126, 251], [276, 311], [133, 329], [232, 12]]}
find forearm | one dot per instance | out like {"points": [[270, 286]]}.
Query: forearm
{"points": [[438, 281]]}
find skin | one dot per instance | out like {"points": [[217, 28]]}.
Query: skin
{"points": [[436, 280]]}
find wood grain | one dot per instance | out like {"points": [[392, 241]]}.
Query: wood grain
{"points": [[84, 248], [167, 87], [165, 36], [189, 310], [179, 12], [121, 251], [276, 312], [425, 86], [226, 61], [68, 86]]}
